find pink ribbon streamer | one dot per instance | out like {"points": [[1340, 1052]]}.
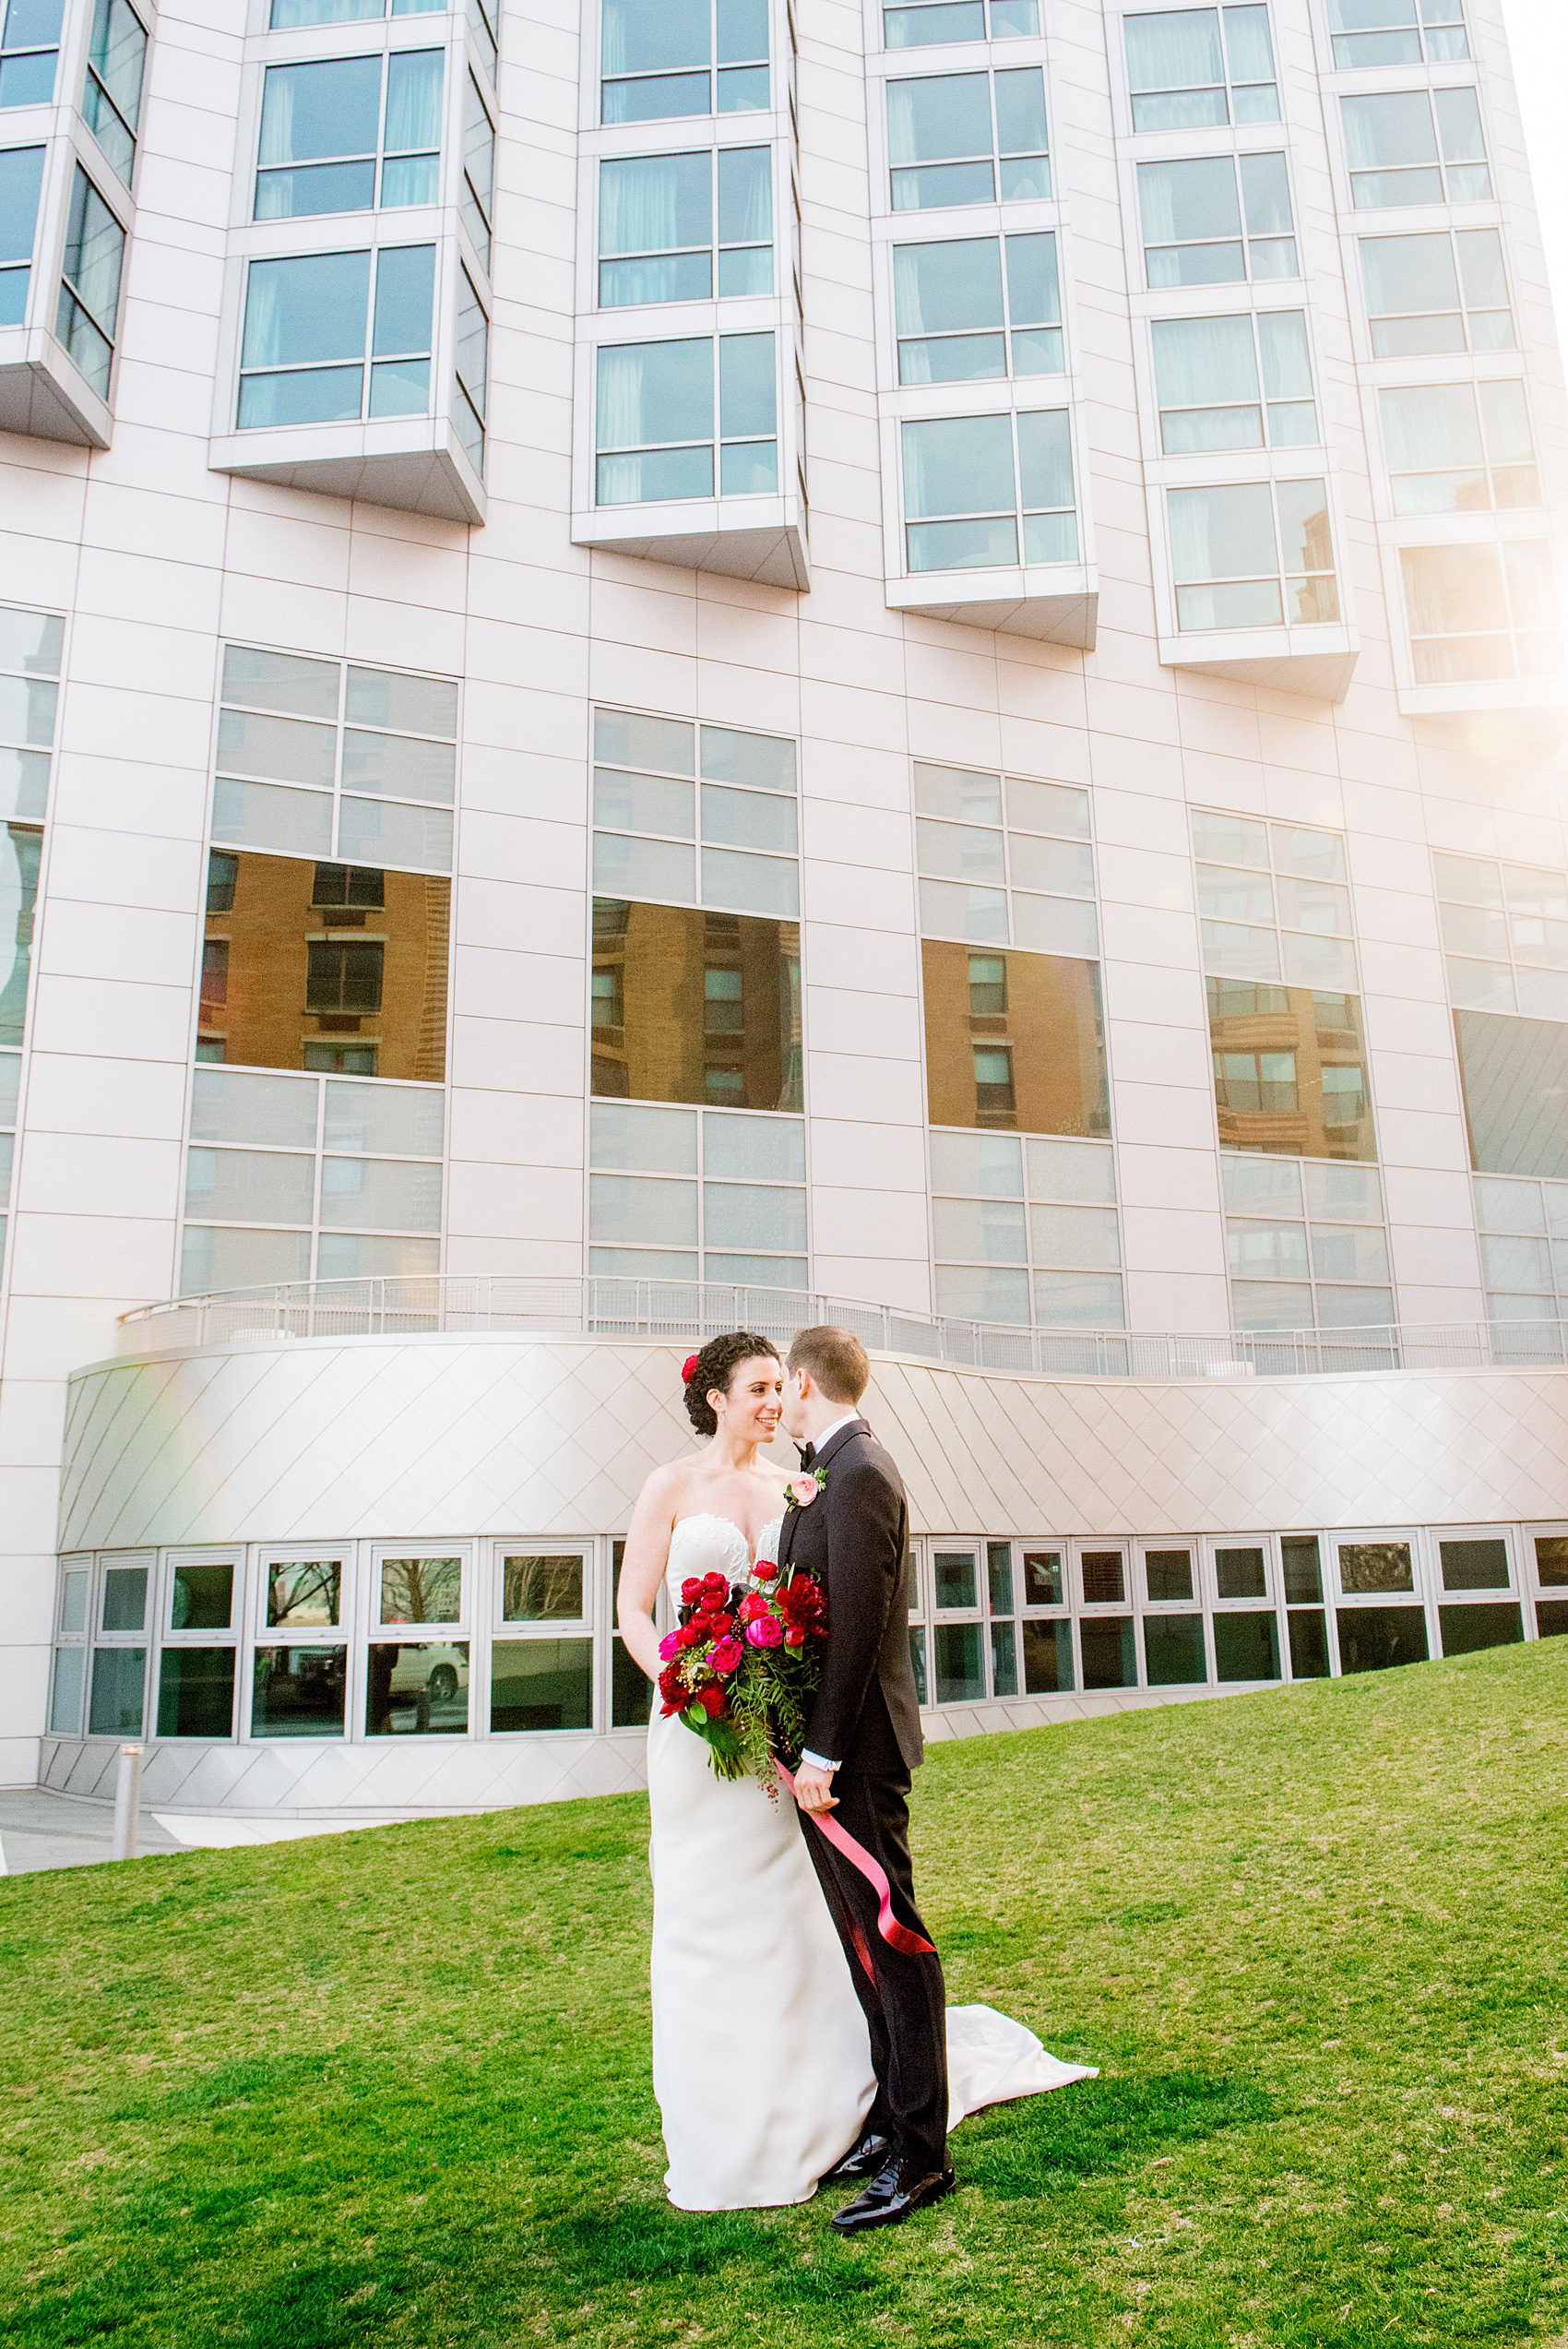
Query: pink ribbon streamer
{"points": [[896, 1936]]}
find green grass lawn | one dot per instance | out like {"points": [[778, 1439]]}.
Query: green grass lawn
{"points": [[393, 2087]]}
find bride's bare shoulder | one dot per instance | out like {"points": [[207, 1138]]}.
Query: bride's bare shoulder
{"points": [[662, 1487]]}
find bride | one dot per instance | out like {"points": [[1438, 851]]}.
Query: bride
{"points": [[762, 2064]]}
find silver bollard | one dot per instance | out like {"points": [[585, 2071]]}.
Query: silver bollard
{"points": [[127, 1802]]}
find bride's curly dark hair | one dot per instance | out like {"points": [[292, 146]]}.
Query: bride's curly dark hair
{"points": [[714, 1366]]}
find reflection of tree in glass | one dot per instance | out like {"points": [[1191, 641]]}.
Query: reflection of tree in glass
{"points": [[543, 1590], [420, 1590], [303, 1590]]}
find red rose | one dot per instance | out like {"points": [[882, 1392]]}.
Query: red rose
{"points": [[688, 1636], [794, 1638], [711, 1700], [753, 1606], [691, 1590], [719, 1624]]}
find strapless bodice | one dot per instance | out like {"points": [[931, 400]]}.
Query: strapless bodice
{"points": [[706, 1544]]}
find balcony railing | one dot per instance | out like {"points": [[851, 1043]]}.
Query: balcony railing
{"points": [[686, 1312]]}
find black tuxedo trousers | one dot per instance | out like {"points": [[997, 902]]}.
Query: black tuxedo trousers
{"points": [[903, 1999], [854, 1537]]}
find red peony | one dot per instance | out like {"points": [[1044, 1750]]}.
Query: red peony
{"points": [[719, 1624], [712, 1701], [752, 1606], [715, 1583], [794, 1636], [766, 1570], [688, 1636], [691, 1590]]}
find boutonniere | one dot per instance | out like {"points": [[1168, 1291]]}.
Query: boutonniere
{"points": [[801, 1491]]}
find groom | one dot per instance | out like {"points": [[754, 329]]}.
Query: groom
{"points": [[861, 1742]]}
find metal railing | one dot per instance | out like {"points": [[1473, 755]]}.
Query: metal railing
{"points": [[686, 1311]]}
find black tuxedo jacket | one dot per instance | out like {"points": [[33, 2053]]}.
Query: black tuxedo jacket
{"points": [[854, 1538]]}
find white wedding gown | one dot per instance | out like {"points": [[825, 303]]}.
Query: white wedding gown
{"points": [[761, 2063]]}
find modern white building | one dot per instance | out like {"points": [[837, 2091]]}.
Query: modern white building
{"points": [[672, 663]]}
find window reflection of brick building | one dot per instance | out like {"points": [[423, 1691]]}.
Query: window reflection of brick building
{"points": [[1290, 1072], [694, 1005], [1015, 1041], [332, 968]]}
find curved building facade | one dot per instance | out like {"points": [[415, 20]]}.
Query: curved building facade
{"points": [[661, 664]]}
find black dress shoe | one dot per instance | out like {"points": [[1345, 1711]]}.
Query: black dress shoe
{"points": [[870, 2153], [895, 2193]]}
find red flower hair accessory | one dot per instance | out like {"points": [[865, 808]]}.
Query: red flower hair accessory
{"points": [[687, 1369]]}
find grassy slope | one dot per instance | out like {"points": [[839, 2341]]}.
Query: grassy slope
{"points": [[394, 2087]]}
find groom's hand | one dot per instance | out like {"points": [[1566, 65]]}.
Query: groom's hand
{"points": [[814, 1789]]}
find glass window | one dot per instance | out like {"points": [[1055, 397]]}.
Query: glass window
{"points": [[90, 289], [1048, 1657], [117, 60], [1374, 1567], [286, 14], [655, 1037], [972, 503], [541, 1683], [1466, 1630], [417, 1689], [21, 176], [21, 854], [196, 1693], [1240, 1574], [1514, 1075], [1246, 1647], [303, 1595], [468, 405], [657, 221], [953, 1574], [478, 199], [1481, 611], [967, 139], [1414, 146], [542, 1590], [119, 1682], [1173, 1650], [919, 24], [299, 1692], [1214, 220], [1110, 1654], [330, 144], [732, 842], [310, 323], [1040, 1068], [962, 316], [201, 1596], [1436, 293], [1188, 67], [960, 1669], [1464, 448], [1219, 378], [1232, 572], [30, 47], [420, 1590], [656, 408], [292, 987], [1168, 1576], [1374, 1638], [1290, 1070], [663, 58], [1479, 1564], [1104, 1577], [1396, 32]]}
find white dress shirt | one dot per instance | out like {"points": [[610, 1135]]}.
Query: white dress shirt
{"points": [[818, 1761]]}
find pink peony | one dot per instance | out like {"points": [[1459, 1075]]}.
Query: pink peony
{"points": [[668, 1646], [727, 1655], [804, 1490], [765, 1632]]}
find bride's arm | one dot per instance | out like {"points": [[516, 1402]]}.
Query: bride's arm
{"points": [[642, 1566]]}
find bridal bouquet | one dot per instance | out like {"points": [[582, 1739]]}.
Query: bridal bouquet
{"points": [[743, 1663]]}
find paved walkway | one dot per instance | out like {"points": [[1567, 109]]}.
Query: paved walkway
{"points": [[40, 1830]]}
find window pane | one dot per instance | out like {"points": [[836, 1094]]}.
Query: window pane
{"points": [[1375, 1566], [420, 1590], [384, 1193], [660, 1214], [1303, 1578], [766, 762], [959, 465], [1168, 1575], [330, 108], [1221, 534], [1246, 1647], [309, 307], [214, 1259], [655, 391], [1110, 1660], [196, 1693], [1205, 361], [1391, 129], [303, 1593], [1474, 1566], [1173, 1650], [1373, 1639], [976, 1294], [1240, 1574], [1054, 1025], [1515, 1082], [202, 1598], [416, 1689], [1175, 50], [1047, 1658], [119, 1677], [939, 116], [981, 1231], [541, 1683], [1188, 200], [960, 1674], [299, 1692], [660, 1040], [947, 288], [541, 1590], [988, 1164]]}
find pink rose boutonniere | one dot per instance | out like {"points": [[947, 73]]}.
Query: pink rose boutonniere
{"points": [[801, 1491]]}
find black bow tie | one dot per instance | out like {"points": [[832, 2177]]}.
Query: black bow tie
{"points": [[808, 1453]]}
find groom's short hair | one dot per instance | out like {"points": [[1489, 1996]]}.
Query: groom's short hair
{"points": [[835, 1359]]}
